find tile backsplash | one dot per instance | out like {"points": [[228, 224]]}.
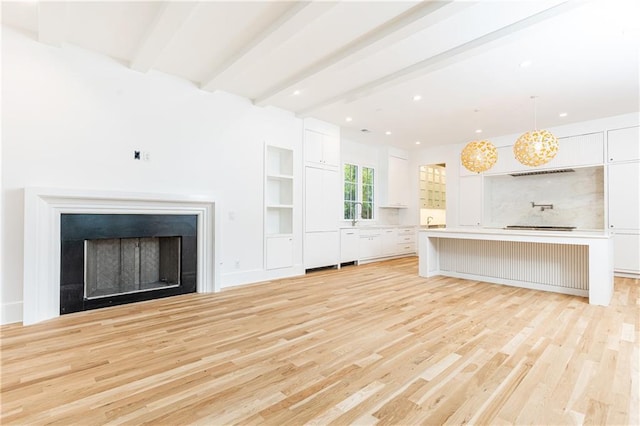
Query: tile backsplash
{"points": [[577, 198]]}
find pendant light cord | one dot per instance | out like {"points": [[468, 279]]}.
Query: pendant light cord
{"points": [[535, 113]]}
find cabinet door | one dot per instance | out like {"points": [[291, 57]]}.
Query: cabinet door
{"points": [[321, 249], [322, 189], [331, 150], [470, 205], [370, 246], [313, 142], [389, 242], [398, 182], [349, 240], [626, 251], [624, 199], [279, 252], [623, 144]]}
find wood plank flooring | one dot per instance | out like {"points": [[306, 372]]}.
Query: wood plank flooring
{"points": [[370, 344]]}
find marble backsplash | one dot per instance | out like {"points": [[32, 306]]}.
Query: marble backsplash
{"points": [[577, 198]]}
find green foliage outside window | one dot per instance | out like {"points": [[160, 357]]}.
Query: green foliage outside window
{"points": [[358, 189]]}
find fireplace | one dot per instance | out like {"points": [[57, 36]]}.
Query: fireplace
{"points": [[112, 259], [44, 208]]}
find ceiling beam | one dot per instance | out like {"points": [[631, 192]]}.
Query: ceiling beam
{"points": [[443, 59], [168, 21], [402, 26], [294, 19], [52, 22]]}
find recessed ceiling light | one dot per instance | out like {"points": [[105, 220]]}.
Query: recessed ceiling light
{"points": [[417, 97], [562, 114], [417, 142], [296, 92], [478, 130], [348, 119], [526, 64], [387, 132]]}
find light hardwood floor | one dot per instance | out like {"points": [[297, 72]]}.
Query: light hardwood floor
{"points": [[372, 344]]}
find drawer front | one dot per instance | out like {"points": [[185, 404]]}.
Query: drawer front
{"points": [[404, 248], [406, 239]]}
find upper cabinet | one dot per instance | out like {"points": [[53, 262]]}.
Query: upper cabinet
{"points": [[573, 151], [321, 149], [433, 187], [397, 182], [623, 144]]}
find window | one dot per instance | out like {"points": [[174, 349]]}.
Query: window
{"points": [[359, 183]]}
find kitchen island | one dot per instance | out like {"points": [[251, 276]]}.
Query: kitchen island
{"points": [[575, 262]]}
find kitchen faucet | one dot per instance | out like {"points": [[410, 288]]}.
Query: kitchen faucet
{"points": [[429, 219], [543, 207], [354, 212]]}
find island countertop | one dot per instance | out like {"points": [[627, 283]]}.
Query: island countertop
{"points": [[513, 234], [576, 262]]}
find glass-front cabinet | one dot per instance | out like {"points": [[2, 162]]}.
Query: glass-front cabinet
{"points": [[433, 186]]}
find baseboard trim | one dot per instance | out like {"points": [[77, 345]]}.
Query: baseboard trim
{"points": [[11, 313], [236, 279]]}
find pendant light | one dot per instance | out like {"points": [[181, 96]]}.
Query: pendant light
{"points": [[536, 147], [479, 155]]}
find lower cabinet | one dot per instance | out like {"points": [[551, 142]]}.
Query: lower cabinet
{"points": [[406, 241], [349, 242], [279, 252], [389, 242], [626, 253], [370, 244], [321, 249], [376, 243]]}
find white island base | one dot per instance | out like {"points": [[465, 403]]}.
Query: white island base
{"points": [[576, 263]]}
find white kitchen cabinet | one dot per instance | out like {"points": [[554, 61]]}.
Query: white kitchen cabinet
{"points": [[624, 197], [322, 209], [573, 151], [370, 244], [433, 187], [279, 252], [580, 150], [623, 144], [626, 253], [322, 197], [349, 242], [397, 188], [470, 202], [406, 240], [389, 241], [321, 249], [321, 149]]}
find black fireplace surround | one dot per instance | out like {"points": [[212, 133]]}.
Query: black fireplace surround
{"points": [[76, 228]]}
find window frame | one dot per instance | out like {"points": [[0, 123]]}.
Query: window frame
{"points": [[359, 188]]}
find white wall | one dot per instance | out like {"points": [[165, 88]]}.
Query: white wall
{"points": [[72, 119]]}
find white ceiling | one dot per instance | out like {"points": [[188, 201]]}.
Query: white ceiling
{"points": [[367, 59]]}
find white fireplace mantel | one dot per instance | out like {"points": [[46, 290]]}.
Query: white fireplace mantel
{"points": [[43, 207]]}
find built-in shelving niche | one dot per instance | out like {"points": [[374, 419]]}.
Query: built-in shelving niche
{"points": [[279, 184]]}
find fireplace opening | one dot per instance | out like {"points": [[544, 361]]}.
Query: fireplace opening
{"points": [[112, 259], [127, 265]]}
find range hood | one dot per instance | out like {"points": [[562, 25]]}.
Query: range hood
{"points": [[542, 172]]}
